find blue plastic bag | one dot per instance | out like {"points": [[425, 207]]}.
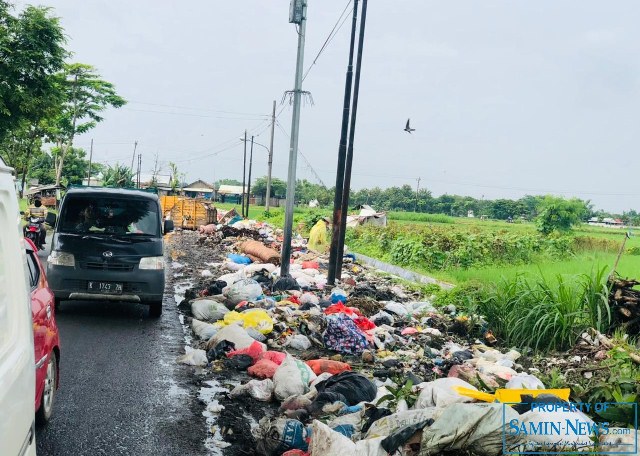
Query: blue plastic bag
{"points": [[239, 259]]}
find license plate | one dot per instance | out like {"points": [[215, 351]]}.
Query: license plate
{"points": [[105, 287]]}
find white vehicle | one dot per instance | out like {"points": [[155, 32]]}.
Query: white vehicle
{"points": [[17, 373]]}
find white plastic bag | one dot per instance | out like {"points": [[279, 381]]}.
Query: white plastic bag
{"points": [[230, 279], [298, 342], [208, 309], [203, 330], [231, 266], [244, 290], [396, 308], [440, 393], [524, 381], [261, 390], [292, 378], [327, 442], [389, 424], [476, 428], [232, 333], [193, 357], [257, 267], [309, 298]]}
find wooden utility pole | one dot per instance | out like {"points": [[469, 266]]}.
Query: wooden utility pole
{"points": [[273, 125]]}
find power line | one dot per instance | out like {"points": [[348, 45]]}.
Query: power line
{"points": [[302, 155], [193, 115], [197, 109], [334, 31]]}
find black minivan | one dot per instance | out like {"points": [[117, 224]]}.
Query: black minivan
{"points": [[107, 246]]}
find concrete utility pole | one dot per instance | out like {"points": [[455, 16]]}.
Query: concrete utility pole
{"points": [[273, 125], [133, 157], [90, 159], [244, 170], [139, 168], [415, 209], [249, 182], [342, 153], [352, 131], [297, 5]]}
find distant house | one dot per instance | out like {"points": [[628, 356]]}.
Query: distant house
{"points": [[96, 181], [162, 182], [606, 222], [230, 193], [199, 189]]}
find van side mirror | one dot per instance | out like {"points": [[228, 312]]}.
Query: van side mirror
{"points": [[168, 226], [50, 219]]}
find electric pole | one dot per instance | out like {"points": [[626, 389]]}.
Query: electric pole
{"points": [[249, 182], [90, 158], [352, 131], [342, 152], [417, 190], [133, 157], [273, 125], [244, 170], [299, 15], [138, 173]]}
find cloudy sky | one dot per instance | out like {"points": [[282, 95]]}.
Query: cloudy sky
{"points": [[507, 98]]}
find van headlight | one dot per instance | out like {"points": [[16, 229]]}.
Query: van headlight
{"points": [[152, 263], [58, 258]]}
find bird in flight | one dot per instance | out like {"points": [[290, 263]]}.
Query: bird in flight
{"points": [[408, 128]]}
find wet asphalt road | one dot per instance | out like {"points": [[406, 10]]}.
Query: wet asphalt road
{"points": [[121, 391]]}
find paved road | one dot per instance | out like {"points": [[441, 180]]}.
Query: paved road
{"points": [[121, 392]]}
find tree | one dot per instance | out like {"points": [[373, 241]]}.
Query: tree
{"points": [[75, 170], [278, 187], [559, 214], [118, 176], [31, 52], [228, 182], [85, 97]]}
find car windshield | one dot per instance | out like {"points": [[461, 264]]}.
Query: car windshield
{"points": [[91, 215]]}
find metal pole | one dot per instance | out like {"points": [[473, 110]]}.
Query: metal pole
{"points": [[417, 193], [249, 181], [273, 125], [90, 159], [342, 153], [293, 150], [244, 170], [133, 157], [352, 130]]}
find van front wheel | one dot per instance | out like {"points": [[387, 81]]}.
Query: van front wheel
{"points": [[155, 309]]}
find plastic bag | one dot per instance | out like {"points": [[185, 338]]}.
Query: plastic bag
{"points": [[193, 357], [252, 318], [261, 390], [202, 330], [208, 309], [257, 267], [238, 362], [239, 259], [327, 442], [475, 428], [318, 237], [291, 379], [338, 295], [280, 435], [310, 265], [320, 366], [354, 386], [342, 335], [396, 308], [244, 290], [230, 279], [276, 357], [263, 368], [309, 298], [285, 284], [320, 378], [232, 333], [440, 393], [255, 351], [298, 342], [524, 381], [341, 308], [389, 424]]}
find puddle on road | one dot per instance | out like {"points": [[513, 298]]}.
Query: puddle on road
{"points": [[214, 442]]}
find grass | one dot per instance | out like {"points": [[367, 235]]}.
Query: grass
{"points": [[420, 217]]}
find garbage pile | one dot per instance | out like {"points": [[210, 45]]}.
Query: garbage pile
{"points": [[365, 368]]}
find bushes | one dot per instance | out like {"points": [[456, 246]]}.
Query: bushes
{"points": [[547, 315], [420, 217], [438, 248]]}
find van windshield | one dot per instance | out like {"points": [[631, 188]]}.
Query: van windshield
{"points": [[95, 215]]}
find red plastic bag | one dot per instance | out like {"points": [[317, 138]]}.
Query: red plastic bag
{"points": [[320, 366], [263, 369], [276, 357], [364, 323], [295, 453], [341, 308], [310, 265], [255, 350]]}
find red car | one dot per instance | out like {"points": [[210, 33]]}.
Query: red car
{"points": [[45, 336]]}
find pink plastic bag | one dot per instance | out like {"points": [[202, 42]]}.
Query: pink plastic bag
{"points": [[276, 357], [255, 350], [263, 369]]}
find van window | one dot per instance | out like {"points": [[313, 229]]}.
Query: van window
{"points": [[34, 270], [95, 215]]}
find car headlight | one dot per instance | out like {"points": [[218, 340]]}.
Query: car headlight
{"points": [[58, 258], [152, 263]]}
